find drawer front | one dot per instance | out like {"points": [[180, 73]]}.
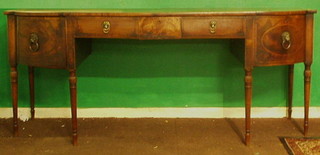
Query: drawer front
{"points": [[213, 27], [106, 27], [40, 42], [280, 40]]}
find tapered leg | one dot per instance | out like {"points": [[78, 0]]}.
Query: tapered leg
{"points": [[290, 89], [248, 100], [307, 79], [31, 89], [73, 98], [14, 93]]}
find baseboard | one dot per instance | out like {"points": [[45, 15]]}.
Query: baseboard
{"points": [[257, 112]]}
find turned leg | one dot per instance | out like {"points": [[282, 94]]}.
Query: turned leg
{"points": [[290, 89], [14, 93], [73, 98], [31, 90], [307, 78], [248, 100]]}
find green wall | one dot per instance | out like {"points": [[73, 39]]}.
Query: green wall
{"points": [[159, 73]]}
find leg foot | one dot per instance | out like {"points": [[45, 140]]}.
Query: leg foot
{"points": [[14, 93], [31, 89], [248, 101], [290, 89], [73, 99], [307, 79]]}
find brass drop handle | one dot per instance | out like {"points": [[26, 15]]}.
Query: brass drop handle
{"points": [[34, 42], [106, 27], [286, 40], [213, 27]]}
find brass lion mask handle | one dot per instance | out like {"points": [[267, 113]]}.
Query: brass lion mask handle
{"points": [[286, 40], [106, 27], [213, 27], [34, 42]]}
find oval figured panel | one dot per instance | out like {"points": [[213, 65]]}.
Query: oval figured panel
{"points": [[160, 28], [40, 42], [280, 40], [272, 39]]}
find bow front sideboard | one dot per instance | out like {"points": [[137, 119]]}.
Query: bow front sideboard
{"points": [[61, 39]]}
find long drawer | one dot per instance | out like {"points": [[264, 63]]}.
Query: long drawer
{"points": [[160, 27]]}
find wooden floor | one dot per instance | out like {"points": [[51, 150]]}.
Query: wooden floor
{"points": [[151, 136]]}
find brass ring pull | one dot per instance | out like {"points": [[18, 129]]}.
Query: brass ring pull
{"points": [[106, 27], [34, 44], [213, 27], [286, 40]]}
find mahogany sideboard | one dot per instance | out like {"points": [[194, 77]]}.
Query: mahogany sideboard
{"points": [[61, 39]]}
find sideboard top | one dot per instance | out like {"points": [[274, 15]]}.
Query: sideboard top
{"points": [[157, 12]]}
